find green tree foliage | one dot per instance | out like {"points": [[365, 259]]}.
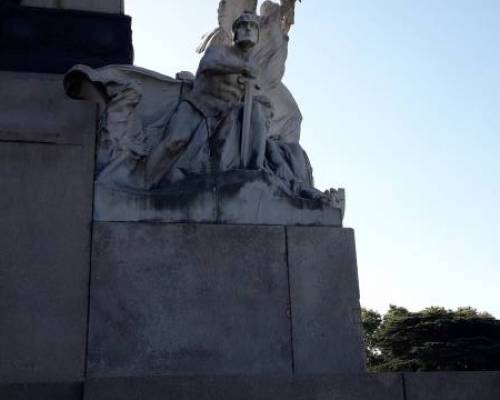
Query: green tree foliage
{"points": [[371, 322], [434, 339]]}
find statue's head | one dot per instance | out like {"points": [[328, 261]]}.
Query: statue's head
{"points": [[246, 30]]}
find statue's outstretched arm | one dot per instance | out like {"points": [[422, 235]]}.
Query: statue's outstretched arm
{"points": [[287, 14]]}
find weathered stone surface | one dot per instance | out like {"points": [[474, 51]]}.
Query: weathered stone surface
{"points": [[30, 86], [42, 391], [235, 197], [257, 199], [428, 386], [106, 6], [327, 335], [453, 386], [188, 299], [193, 203], [36, 109], [221, 124], [46, 174], [47, 40], [335, 387]]}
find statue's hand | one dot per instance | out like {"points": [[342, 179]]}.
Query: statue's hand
{"points": [[185, 76], [250, 72], [336, 197], [124, 93]]}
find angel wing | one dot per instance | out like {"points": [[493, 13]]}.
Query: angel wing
{"points": [[271, 54], [228, 12]]}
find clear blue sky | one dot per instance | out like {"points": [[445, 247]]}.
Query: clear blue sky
{"points": [[401, 101]]}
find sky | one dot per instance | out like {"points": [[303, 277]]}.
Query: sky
{"points": [[401, 105]]}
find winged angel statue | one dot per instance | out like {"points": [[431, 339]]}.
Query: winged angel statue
{"points": [[234, 117], [270, 54]]}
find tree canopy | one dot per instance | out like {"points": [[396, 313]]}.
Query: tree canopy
{"points": [[434, 339]]}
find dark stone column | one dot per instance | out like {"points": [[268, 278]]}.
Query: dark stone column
{"points": [[52, 40]]}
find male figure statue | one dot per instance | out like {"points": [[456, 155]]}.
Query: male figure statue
{"points": [[205, 133]]}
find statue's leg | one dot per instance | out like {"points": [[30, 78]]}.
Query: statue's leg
{"points": [[298, 163], [289, 162], [228, 139], [261, 122], [184, 124]]}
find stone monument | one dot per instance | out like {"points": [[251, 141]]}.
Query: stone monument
{"points": [[260, 278], [162, 237], [219, 146]]}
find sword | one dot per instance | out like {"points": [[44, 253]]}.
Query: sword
{"points": [[247, 122]]}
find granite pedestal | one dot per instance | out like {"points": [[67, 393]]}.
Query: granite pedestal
{"points": [[318, 387], [231, 197], [388, 386], [222, 299]]}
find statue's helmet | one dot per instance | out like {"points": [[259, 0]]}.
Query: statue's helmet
{"points": [[249, 18]]}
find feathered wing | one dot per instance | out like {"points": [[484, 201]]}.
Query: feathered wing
{"points": [[277, 17], [228, 12], [272, 54], [272, 50]]}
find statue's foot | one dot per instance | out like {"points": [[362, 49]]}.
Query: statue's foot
{"points": [[310, 193], [331, 197]]}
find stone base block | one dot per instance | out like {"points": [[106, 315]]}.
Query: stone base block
{"points": [[335, 387], [324, 293], [453, 386], [182, 299], [232, 197], [42, 391], [395, 386], [222, 299]]}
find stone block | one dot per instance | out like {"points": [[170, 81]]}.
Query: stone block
{"points": [[48, 40], [232, 197], [453, 386], [42, 391], [327, 336], [335, 387], [46, 175], [35, 109], [104, 6], [256, 198], [188, 299], [193, 203], [31, 86]]}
